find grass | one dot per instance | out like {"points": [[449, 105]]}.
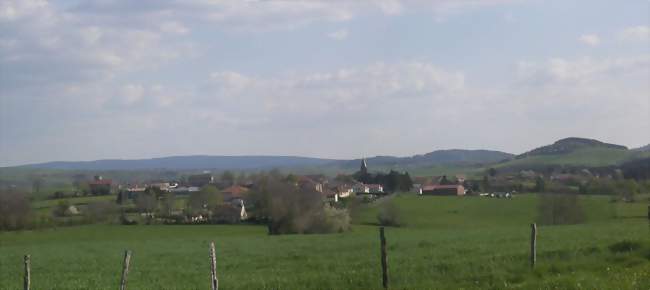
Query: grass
{"points": [[449, 243]]}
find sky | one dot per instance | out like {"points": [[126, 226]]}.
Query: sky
{"points": [[98, 79]]}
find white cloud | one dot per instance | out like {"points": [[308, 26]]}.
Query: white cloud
{"points": [[339, 34], [174, 27], [390, 7], [560, 70], [590, 39], [46, 44], [636, 33]]}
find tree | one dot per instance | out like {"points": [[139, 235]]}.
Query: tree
{"points": [[485, 184], [286, 209], [37, 183], [146, 202], [492, 172], [628, 189], [227, 178], [168, 202], [540, 184], [61, 208], [390, 215], [445, 181], [204, 200]]}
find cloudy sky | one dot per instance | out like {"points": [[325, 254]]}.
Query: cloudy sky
{"points": [[84, 80]]}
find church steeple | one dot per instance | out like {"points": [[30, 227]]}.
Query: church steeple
{"points": [[364, 166]]}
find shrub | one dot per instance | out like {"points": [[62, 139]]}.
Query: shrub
{"points": [[288, 209], [390, 215], [624, 246]]}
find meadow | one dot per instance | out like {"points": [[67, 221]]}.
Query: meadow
{"points": [[448, 243]]}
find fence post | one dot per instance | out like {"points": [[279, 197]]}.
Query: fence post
{"points": [[125, 269], [28, 273], [649, 212], [533, 245], [384, 258], [213, 268]]}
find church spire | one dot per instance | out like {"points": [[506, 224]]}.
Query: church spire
{"points": [[364, 166]]}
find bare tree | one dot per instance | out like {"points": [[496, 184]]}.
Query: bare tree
{"points": [[15, 211]]}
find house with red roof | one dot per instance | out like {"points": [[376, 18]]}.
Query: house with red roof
{"points": [[100, 186]]}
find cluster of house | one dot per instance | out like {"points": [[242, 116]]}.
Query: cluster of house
{"points": [[333, 190], [232, 195]]}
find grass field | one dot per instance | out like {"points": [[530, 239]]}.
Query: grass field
{"points": [[449, 243]]}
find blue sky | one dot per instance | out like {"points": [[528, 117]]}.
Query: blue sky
{"points": [[83, 80]]}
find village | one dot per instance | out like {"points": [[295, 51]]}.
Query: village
{"points": [[212, 198]]}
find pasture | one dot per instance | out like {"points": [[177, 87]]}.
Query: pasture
{"points": [[448, 243]]}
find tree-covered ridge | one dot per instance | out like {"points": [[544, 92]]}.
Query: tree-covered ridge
{"points": [[568, 145]]}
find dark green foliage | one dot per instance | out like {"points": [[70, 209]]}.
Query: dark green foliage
{"points": [[559, 209], [202, 201], [61, 208], [637, 169], [390, 215], [625, 246], [287, 209], [392, 182], [146, 201], [540, 184]]}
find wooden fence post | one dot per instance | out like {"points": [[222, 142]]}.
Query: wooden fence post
{"points": [[649, 212], [384, 258], [125, 269], [533, 245], [214, 282], [28, 273]]}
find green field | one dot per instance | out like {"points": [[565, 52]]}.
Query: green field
{"points": [[449, 243]]}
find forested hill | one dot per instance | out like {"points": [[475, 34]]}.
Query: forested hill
{"points": [[569, 145]]}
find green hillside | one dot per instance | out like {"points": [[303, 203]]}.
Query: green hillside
{"points": [[597, 156]]}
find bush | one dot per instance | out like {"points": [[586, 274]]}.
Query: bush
{"points": [[390, 215], [225, 214], [288, 209], [60, 209], [624, 246]]}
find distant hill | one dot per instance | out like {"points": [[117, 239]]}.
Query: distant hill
{"points": [[438, 157], [188, 163], [574, 152], [568, 145], [455, 156]]}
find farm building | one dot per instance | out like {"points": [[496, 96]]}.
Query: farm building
{"points": [[453, 189], [100, 186]]}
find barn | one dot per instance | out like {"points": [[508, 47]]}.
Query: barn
{"points": [[453, 189]]}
